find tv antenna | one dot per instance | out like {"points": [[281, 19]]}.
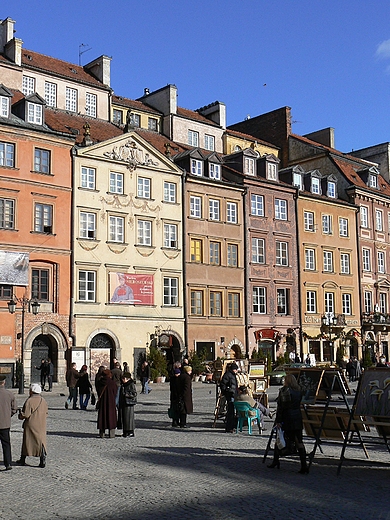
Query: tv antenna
{"points": [[82, 50]]}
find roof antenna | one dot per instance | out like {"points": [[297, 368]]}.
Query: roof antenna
{"points": [[81, 46]]}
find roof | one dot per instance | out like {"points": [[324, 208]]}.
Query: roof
{"points": [[248, 137], [136, 105], [351, 170], [159, 141], [194, 115]]}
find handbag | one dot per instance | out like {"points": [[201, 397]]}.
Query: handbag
{"points": [[280, 440], [93, 399]]}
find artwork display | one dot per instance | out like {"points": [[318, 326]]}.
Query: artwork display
{"points": [[373, 397], [256, 370], [99, 357], [310, 380], [131, 289]]}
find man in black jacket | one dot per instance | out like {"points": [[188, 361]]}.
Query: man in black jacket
{"points": [[228, 386]]}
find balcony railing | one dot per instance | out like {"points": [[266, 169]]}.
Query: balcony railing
{"points": [[375, 318]]}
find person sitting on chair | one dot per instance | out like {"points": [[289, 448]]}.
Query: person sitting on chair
{"points": [[243, 396]]}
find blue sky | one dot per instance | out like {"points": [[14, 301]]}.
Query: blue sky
{"points": [[329, 61]]}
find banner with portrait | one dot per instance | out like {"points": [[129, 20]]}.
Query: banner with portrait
{"points": [[131, 289]]}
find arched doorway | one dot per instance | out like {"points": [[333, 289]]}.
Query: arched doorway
{"points": [[43, 347]]}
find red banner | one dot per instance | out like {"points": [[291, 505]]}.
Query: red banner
{"points": [[265, 334], [131, 289]]}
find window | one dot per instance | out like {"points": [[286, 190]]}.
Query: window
{"points": [[41, 161], [196, 250], [281, 253], [232, 255], [347, 304], [90, 104], [4, 106], [152, 124], [88, 176], [143, 190], [209, 142], [282, 301], [28, 85], [332, 189], [366, 254], [364, 216], [373, 181], [215, 303], [214, 171], [315, 185], [34, 113], [87, 225], [327, 224], [193, 138], [257, 205], [310, 259], [249, 166], [116, 183], [135, 120], [280, 209], [7, 213], [231, 212], [197, 303], [383, 303], [272, 172], [195, 207], [169, 192], [117, 116], [144, 237], [171, 292], [311, 301], [259, 303], [308, 217], [40, 284], [6, 292], [170, 235], [43, 221], [214, 213], [50, 94], [258, 251], [7, 154], [328, 261], [117, 227], [329, 302], [297, 180], [367, 301], [87, 286], [215, 253], [381, 262], [343, 227], [378, 220], [71, 99], [233, 305], [345, 262], [196, 167]]}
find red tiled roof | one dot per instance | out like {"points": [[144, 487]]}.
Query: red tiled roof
{"points": [[159, 141], [131, 103], [350, 171], [248, 137], [192, 114]]}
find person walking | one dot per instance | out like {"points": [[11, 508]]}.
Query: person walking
{"points": [[106, 405], [8, 408], [289, 418], [145, 377], [185, 395], [174, 396], [229, 389], [84, 387], [43, 372], [34, 414], [71, 380], [50, 374], [127, 402]]}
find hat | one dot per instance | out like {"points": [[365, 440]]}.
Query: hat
{"points": [[187, 368], [2, 377], [234, 366], [177, 371], [36, 388]]}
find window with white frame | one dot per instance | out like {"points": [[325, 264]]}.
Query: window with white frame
{"points": [[282, 301], [328, 261], [345, 263], [297, 181], [258, 251], [7, 154], [143, 188], [170, 236], [231, 212], [215, 303], [233, 305], [272, 171], [327, 224], [50, 94], [28, 85], [310, 259], [343, 227], [232, 255], [7, 213], [117, 116], [383, 303], [329, 302], [196, 167], [378, 220], [346, 300], [135, 120], [209, 142], [169, 192], [281, 253], [214, 209], [34, 113], [381, 262], [90, 104], [88, 178], [367, 301], [311, 302], [87, 225], [41, 160], [152, 124], [332, 189], [87, 286], [4, 106], [308, 217], [249, 166], [193, 138], [373, 181], [315, 185], [214, 171], [195, 206], [71, 99], [215, 253], [366, 256], [257, 205], [116, 183], [259, 300], [43, 218], [171, 291], [280, 209], [364, 216], [116, 229], [196, 303], [144, 232]]}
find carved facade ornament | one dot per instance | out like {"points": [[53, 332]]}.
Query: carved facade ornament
{"points": [[87, 246], [119, 202], [171, 255], [116, 249], [143, 251], [131, 154]]}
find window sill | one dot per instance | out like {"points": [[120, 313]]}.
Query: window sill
{"points": [[47, 174]]}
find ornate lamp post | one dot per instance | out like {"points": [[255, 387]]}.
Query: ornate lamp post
{"points": [[330, 320], [34, 305]]}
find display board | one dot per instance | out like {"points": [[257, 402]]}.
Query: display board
{"points": [[309, 379], [373, 398]]}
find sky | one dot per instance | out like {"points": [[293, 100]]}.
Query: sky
{"points": [[327, 60]]}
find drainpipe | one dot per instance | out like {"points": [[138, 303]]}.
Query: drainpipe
{"points": [[184, 253], [246, 271], [72, 260], [299, 276]]}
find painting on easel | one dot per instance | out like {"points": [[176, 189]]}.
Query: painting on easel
{"points": [[373, 397]]}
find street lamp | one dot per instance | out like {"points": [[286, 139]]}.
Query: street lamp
{"points": [[34, 305], [330, 320]]}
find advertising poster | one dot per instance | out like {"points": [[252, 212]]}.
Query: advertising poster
{"points": [[14, 268], [131, 289]]}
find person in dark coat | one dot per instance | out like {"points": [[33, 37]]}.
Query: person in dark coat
{"points": [[185, 395], [107, 419], [85, 387], [71, 380], [145, 377], [289, 418], [43, 368], [98, 383], [229, 389], [50, 374], [175, 393], [127, 402]]}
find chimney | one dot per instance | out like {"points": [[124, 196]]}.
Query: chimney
{"points": [[6, 32], [324, 136], [215, 112], [101, 69]]}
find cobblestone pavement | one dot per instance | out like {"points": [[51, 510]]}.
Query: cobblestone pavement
{"points": [[200, 472]]}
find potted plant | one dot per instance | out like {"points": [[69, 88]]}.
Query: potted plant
{"points": [[158, 364]]}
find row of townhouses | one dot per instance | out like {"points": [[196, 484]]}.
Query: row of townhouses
{"points": [[138, 222]]}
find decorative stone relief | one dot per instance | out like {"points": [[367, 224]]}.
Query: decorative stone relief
{"points": [[131, 154]]}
